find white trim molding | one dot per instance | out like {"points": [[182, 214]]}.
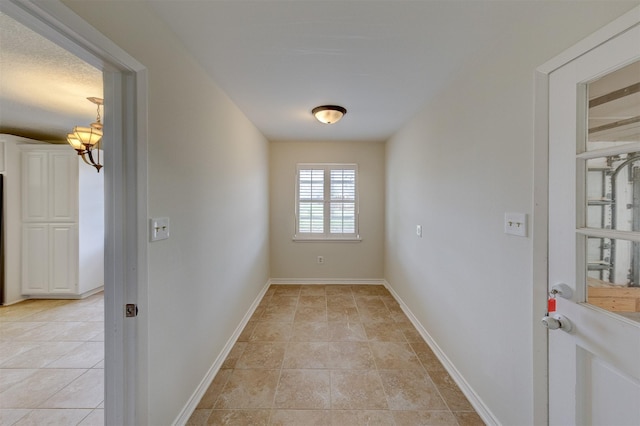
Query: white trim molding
{"points": [[481, 408], [329, 281]]}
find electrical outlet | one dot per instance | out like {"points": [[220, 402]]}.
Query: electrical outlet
{"points": [[320, 259], [419, 230]]}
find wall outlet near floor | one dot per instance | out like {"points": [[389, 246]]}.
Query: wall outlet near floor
{"points": [[419, 230], [320, 259]]}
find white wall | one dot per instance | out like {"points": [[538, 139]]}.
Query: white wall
{"points": [[207, 171], [352, 260], [456, 168], [90, 227]]}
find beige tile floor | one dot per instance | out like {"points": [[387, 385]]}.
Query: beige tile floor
{"points": [[332, 355], [52, 362]]}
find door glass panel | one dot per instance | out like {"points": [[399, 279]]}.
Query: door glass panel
{"points": [[613, 273], [614, 108], [613, 192]]}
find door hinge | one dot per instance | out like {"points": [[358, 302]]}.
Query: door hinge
{"points": [[130, 310]]}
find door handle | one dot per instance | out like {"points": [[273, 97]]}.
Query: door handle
{"points": [[557, 321], [562, 290]]}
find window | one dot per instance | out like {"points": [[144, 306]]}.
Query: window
{"points": [[327, 202]]}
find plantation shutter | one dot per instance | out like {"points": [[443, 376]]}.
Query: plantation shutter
{"points": [[343, 201], [326, 201], [311, 201]]}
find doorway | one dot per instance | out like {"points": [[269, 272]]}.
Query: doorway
{"points": [[125, 198]]}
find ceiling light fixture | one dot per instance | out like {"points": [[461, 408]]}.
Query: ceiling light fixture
{"points": [[86, 139], [328, 114]]}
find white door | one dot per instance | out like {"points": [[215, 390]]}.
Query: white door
{"points": [[594, 234]]}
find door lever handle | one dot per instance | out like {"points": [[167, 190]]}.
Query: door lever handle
{"points": [[557, 321], [562, 290]]}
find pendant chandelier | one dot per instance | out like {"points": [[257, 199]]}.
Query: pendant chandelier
{"points": [[87, 139]]}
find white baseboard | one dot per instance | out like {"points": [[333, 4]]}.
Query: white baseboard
{"points": [[92, 292], [329, 281], [64, 296], [13, 302], [481, 408], [197, 395]]}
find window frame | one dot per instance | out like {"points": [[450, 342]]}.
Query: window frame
{"points": [[327, 235]]}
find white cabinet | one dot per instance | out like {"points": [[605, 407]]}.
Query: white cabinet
{"points": [[35, 245], [50, 265], [62, 224], [50, 183]]}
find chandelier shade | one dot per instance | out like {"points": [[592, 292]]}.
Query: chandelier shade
{"points": [[86, 139], [75, 142], [89, 136]]}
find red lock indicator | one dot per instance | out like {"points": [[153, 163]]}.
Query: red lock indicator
{"points": [[551, 305]]}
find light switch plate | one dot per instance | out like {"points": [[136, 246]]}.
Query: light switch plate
{"points": [[158, 228], [515, 224]]}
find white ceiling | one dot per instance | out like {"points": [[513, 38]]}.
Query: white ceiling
{"points": [[382, 60]]}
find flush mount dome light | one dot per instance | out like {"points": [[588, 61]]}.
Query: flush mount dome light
{"points": [[328, 114]]}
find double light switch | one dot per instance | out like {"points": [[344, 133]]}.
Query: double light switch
{"points": [[158, 228]]}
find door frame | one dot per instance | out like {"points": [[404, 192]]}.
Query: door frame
{"points": [[541, 201], [125, 91]]}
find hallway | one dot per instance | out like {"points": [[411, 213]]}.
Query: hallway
{"points": [[332, 355]]}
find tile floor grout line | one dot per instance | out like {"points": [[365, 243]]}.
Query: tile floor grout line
{"points": [[48, 314], [389, 415], [275, 392]]}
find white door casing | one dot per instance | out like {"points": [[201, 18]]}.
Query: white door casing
{"points": [[594, 370]]}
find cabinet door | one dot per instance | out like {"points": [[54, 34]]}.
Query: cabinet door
{"points": [[35, 187], [63, 258], [63, 186], [35, 259]]}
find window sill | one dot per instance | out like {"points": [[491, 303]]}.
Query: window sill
{"points": [[326, 240]]}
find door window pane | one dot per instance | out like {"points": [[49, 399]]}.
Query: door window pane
{"points": [[613, 192], [614, 108], [613, 275]]}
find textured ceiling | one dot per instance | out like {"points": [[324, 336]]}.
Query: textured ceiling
{"points": [[43, 87]]}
